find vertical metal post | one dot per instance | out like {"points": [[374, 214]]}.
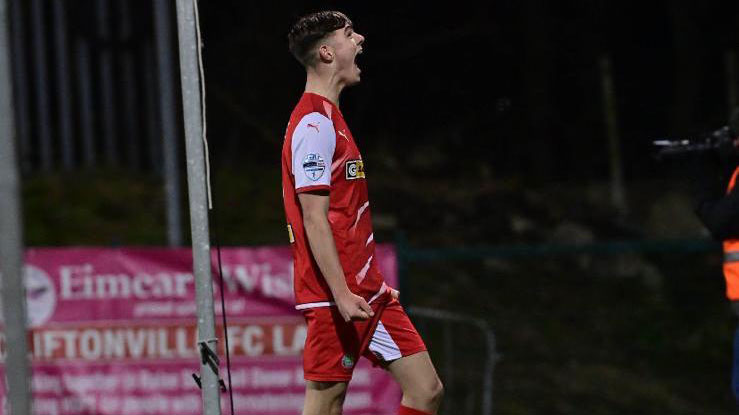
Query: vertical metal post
{"points": [[618, 194], [132, 140], [17, 370], [106, 80], [196, 180], [64, 94], [492, 358], [84, 90], [20, 86], [167, 111], [731, 81], [42, 85], [152, 113]]}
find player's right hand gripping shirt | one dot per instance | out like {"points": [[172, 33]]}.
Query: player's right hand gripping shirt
{"points": [[319, 154]]}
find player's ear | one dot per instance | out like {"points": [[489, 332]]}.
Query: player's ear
{"points": [[326, 53]]}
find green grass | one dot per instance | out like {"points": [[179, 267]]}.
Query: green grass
{"points": [[119, 208]]}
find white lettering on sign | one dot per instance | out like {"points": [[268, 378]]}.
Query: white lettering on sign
{"points": [[79, 282], [46, 406], [86, 382], [248, 279], [155, 404], [91, 345], [44, 383], [171, 341], [271, 378], [188, 403], [110, 343], [252, 340], [291, 346], [270, 402]]}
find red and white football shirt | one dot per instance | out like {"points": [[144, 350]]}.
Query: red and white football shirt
{"points": [[319, 153]]}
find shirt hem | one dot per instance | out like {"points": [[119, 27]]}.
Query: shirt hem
{"points": [[327, 378], [318, 304]]}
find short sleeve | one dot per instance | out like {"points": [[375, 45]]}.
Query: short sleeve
{"points": [[313, 145]]}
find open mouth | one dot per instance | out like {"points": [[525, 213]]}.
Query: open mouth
{"points": [[356, 57]]}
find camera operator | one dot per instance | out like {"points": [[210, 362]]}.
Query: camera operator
{"points": [[717, 206]]}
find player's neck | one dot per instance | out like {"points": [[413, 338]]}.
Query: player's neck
{"points": [[328, 87]]}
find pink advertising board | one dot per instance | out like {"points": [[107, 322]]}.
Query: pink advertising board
{"points": [[113, 332]]}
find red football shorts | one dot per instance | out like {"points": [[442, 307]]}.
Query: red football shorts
{"points": [[333, 346]]}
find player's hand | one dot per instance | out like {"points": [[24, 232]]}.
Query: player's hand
{"points": [[353, 307], [395, 294]]}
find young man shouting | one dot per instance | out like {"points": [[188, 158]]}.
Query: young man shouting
{"points": [[349, 310]]}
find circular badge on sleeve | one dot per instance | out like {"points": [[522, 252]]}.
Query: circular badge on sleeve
{"points": [[314, 166]]}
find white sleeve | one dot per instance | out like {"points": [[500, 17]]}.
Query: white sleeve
{"points": [[313, 145]]}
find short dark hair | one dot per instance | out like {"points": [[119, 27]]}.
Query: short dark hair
{"points": [[309, 30]]}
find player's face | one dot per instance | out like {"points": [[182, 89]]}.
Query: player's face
{"points": [[347, 45]]}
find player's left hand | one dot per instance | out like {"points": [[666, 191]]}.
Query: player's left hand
{"points": [[395, 294]]}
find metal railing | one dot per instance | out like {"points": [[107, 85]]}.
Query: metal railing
{"points": [[446, 344], [458, 367]]}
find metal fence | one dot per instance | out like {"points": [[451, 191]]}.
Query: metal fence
{"points": [[87, 78], [463, 349], [95, 86], [461, 338]]}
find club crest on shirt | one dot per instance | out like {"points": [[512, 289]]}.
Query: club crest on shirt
{"points": [[354, 169], [314, 166], [347, 362]]}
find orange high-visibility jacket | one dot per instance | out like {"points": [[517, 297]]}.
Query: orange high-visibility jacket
{"points": [[731, 256]]}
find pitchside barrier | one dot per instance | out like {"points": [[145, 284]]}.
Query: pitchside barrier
{"points": [[464, 350], [113, 332], [461, 343]]}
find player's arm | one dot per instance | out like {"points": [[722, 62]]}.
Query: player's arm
{"points": [[313, 145], [323, 247]]}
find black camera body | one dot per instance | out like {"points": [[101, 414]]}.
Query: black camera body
{"points": [[721, 140]]}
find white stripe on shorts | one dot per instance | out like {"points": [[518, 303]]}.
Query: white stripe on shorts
{"points": [[383, 346]]}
